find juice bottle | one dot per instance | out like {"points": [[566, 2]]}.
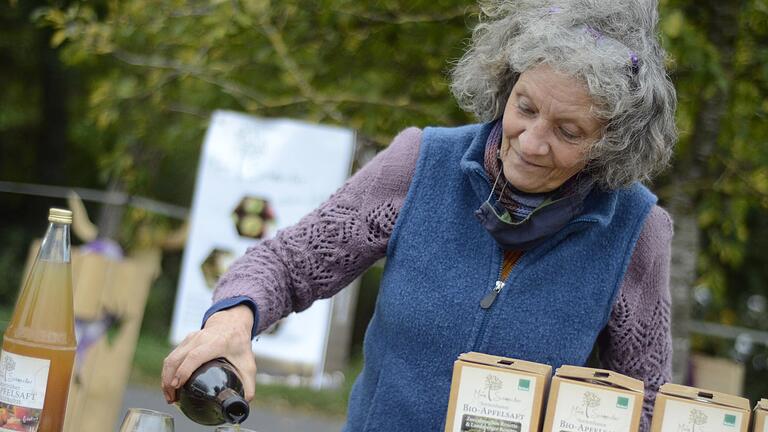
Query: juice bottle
{"points": [[39, 344]]}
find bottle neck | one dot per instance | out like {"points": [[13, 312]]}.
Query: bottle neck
{"points": [[56, 243], [233, 406]]}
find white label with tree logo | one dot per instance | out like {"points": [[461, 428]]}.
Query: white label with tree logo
{"points": [[582, 408], [687, 417], [494, 401], [23, 381]]}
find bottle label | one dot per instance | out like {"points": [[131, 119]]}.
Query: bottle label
{"points": [[22, 391]]}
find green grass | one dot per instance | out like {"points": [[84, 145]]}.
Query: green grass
{"points": [[329, 403], [148, 359]]}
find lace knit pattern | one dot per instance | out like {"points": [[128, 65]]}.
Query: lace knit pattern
{"points": [[637, 340], [334, 244]]}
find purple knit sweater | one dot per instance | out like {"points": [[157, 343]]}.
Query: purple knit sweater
{"points": [[339, 240]]}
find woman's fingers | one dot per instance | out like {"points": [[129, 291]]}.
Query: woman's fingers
{"points": [[193, 360], [196, 349], [246, 368], [171, 363], [219, 339]]}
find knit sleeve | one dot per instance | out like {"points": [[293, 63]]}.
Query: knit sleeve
{"points": [[637, 340], [330, 246]]}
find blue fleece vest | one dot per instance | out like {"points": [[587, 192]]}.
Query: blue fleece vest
{"points": [[440, 264]]}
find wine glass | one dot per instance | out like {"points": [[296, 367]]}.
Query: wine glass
{"points": [[232, 428], [144, 420]]}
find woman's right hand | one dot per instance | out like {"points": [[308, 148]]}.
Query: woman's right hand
{"points": [[226, 334]]}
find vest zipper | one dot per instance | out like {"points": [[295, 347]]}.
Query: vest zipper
{"points": [[488, 299]]}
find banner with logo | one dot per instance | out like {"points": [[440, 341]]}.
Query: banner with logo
{"points": [[255, 177]]}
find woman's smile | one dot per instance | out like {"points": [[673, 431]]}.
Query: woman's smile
{"points": [[524, 163]]}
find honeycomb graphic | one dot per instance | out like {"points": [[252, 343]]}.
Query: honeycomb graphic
{"points": [[253, 217], [215, 264]]}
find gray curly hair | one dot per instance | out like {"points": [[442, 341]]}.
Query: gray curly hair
{"points": [[610, 45]]}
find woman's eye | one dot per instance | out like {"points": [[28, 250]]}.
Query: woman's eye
{"points": [[524, 109], [570, 136]]}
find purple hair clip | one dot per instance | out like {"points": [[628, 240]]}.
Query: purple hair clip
{"points": [[554, 10], [600, 38], [635, 62]]}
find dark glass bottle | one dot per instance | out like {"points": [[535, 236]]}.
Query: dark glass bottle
{"points": [[213, 395]]}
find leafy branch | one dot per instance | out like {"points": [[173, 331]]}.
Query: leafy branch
{"points": [[277, 41], [400, 19]]}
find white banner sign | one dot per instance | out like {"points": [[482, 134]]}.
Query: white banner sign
{"points": [[257, 176]]}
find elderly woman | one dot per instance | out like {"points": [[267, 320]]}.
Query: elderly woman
{"points": [[528, 236]]}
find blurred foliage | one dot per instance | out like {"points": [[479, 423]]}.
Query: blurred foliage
{"points": [[731, 192], [164, 66], [13, 256], [735, 188], [143, 77]]}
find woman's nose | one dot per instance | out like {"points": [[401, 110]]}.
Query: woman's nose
{"points": [[533, 141]]}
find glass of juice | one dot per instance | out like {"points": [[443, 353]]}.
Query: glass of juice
{"points": [[232, 428], [144, 420]]}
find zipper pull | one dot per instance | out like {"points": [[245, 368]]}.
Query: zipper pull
{"points": [[489, 298]]}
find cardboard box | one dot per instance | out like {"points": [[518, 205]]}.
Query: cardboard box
{"points": [[593, 400], [761, 416], [689, 409], [496, 394]]}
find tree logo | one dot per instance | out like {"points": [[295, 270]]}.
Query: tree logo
{"points": [[8, 365], [697, 418], [492, 384], [591, 400]]}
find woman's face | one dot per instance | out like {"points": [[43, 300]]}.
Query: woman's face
{"points": [[548, 129]]}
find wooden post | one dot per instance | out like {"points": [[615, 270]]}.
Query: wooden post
{"points": [[100, 378]]}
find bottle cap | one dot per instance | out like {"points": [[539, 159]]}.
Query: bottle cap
{"points": [[60, 216]]}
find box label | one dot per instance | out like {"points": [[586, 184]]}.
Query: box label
{"points": [[493, 401], [23, 381], [581, 408], [682, 416], [471, 423]]}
